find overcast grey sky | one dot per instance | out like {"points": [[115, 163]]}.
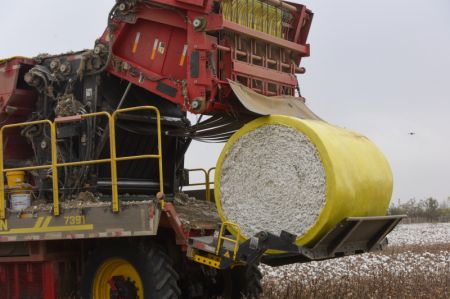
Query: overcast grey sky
{"points": [[378, 67]]}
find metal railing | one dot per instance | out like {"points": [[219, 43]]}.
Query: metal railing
{"points": [[207, 183], [222, 238], [54, 160]]}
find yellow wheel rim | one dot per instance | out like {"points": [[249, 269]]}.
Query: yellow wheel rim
{"points": [[110, 269]]}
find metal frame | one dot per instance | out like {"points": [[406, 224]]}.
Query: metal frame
{"points": [[207, 183], [352, 235], [208, 54], [217, 254], [234, 240], [40, 270], [54, 165]]}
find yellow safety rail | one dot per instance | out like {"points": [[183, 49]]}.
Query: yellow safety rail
{"points": [[222, 238], [157, 156], [207, 182], [54, 166], [208, 175]]}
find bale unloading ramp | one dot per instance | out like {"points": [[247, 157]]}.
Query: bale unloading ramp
{"points": [[352, 236]]}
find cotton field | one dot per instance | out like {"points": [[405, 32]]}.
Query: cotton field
{"points": [[420, 234], [416, 264]]}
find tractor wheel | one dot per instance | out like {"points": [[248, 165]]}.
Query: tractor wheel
{"points": [[129, 272], [248, 282], [242, 282]]}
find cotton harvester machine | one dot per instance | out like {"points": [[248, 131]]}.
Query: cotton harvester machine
{"points": [[94, 145]]}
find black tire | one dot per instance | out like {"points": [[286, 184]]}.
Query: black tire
{"points": [[248, 282], [242, 282], [153, 266]]}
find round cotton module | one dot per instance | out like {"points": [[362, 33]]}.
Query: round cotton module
{"points": [[277, 170], [302, 176]]}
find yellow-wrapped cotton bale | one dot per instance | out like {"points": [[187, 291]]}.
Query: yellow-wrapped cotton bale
{"points": [[302, 176]]}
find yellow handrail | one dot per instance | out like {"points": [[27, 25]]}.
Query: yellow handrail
{"points": [[221, 237], [207, 182], [158, 156], [3, 170], [79, 163], [54, 165], [208, 189]]}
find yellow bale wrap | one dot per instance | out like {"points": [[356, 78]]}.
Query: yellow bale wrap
{"points": [[358, 177]]}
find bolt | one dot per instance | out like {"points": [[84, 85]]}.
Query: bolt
{"points": [[195, 104], [125, 66], [263, 236], [64, 68], [197, 23], [98, 49], [54, 64]]}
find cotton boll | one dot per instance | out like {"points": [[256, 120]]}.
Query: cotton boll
{"points": [[273, 179]]}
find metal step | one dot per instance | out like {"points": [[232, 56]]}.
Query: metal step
{"points": [[208, 244]]}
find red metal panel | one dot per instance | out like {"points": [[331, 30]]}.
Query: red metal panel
{"points": [[174, 63], [49, 280], [38, 274], [151, 85], [217, 22], [154, 53], [163, 53], [171, 218], [21, 102], [16, 277], [206, 8], [303, 50], [163, 16], [193, 2], [200, 82], [144, 44], [22, 280], [9, 73], [263, 73]]}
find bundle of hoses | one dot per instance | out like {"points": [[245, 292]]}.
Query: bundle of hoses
{"points": [[301, 176]]}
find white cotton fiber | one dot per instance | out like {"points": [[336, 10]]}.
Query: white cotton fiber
{"points": [[273, 179]]}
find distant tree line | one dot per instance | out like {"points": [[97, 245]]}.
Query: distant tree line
{"points": [[422, 210]]}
